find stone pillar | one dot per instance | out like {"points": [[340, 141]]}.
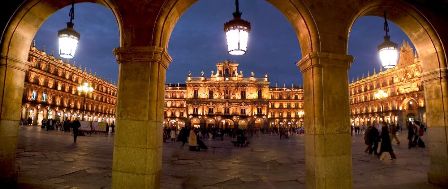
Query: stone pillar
{"points": [[436, 99], [328, 155], [12, 77], [137, 158]]}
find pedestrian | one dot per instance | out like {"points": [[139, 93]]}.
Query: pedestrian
{"points": [[173, 134], [183, 135], [419, 132], [66, 126], [193, 141], [75, 126], [113, 127], [393, 133], [374, 138], [411, 133], [386, 144], [368, 141]]}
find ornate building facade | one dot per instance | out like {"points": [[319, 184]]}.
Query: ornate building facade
{"points": [[395, 95], [50, 92], [228, 99]]}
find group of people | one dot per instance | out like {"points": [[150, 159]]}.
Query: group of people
{"points": [[386, 133], [415, 132], [194, 137], [190, 135], [383, 133]]}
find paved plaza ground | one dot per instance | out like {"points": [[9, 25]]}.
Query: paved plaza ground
{"points": [[49, 159]]}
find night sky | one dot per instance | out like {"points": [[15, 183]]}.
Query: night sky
{"points": [[198, 41]]}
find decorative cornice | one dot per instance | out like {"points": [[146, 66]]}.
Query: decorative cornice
{"points": [[314, 60], [13, 63], [143, 54], [436, 74]]}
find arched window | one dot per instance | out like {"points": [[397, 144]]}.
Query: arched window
{"points": [[33, 95]]}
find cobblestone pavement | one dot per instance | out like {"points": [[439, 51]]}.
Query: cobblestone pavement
{"points": [[49, 159]]}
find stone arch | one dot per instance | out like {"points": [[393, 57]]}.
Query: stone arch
{"points": [[414, 24], [296, 12], [16, 39], [425, 32], [404, 104], [28, 18]]}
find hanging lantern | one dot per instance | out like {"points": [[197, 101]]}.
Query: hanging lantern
{"points": [[388, 50], [237, 33], [68, 38]]}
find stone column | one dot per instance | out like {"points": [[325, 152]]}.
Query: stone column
{"points": [[137, 158], [436, 99], [328, 155], [12, 77]]}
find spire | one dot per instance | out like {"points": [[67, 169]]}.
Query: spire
{"points": [[284, 85], [381, 68], [374, 70], [276, 85], [368, 73]]}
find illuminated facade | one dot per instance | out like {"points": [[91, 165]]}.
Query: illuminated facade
{"points": [[50, 92], [394, 95], [228, 99]]}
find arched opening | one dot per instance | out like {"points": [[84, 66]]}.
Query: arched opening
{"points": [[194, 65], [430, 52], [17, 39]]}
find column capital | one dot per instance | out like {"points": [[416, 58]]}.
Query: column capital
{"points": [[313, 59], [13, 63], [436, 74], [143, 54]]}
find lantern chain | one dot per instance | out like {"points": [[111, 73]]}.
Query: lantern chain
{"points": [[386, 25]]}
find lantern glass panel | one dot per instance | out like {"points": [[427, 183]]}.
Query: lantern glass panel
{"points": [[67, 45], [388, 56]]}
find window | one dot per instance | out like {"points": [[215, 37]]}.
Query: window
{"points": [[226, 94], [210, 94], [272, 114], [289, 105], [33, 95], [280, 96], [195, 93], [195, 111], [226, 110], [259, 110], [281, 105], [296, 97], [288, 114], [243, 111], [210, 110], [260, 94], [296, 105], [181, 114], [243, 94], [44, 97]]}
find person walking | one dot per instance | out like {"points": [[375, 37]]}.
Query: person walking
{"points": [[374, 138], [386, 144], [173, 134], [193, 140], [183, 135], [393, 133], [367, 140], [411, 133], [75, 126]]}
